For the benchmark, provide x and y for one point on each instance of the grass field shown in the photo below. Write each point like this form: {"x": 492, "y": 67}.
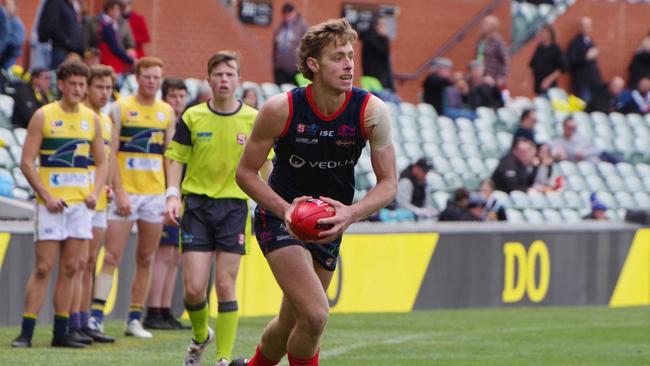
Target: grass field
{"x": 517, "y": 336}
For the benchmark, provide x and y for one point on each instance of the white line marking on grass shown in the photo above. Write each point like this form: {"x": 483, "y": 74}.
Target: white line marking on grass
{"x": 334, "y": 352}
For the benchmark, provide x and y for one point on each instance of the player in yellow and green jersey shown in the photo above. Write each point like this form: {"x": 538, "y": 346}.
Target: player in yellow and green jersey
{"x": 100, "y": 87}
{"x": 142, "y": 126}
{"x": 209, "y": 141}
{"x": 61, "y": 135}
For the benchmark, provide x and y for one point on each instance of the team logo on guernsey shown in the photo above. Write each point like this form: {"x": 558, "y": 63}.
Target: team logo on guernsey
{"x": 347, "y": 131}
{"x": 84, "y": 125}
{"x": 73, "y": 154}
{"x": 309, "y": 130}
{"x": 161, "y": 116}
{"x": 58, "y": 123}
{"x": 241, "y": 138}
{"x": 242, "y": 239}
{"x": 132, "y": 113}
{"x": 148, "y": 141}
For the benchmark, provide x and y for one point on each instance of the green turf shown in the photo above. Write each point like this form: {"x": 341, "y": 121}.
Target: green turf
{"x": 516, "y": 336}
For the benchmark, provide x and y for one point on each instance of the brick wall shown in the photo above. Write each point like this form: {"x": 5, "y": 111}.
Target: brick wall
{"x": 186, "y": 33}
{"x": 618, "y": 29}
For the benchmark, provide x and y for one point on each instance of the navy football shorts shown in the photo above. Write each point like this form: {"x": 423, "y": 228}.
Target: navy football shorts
{"x": 272, "y": 234}
{"x": 210, "y": 224}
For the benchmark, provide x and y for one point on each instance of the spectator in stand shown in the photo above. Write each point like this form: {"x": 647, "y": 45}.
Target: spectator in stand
{"x": 494, "y": 210}
{"x": 640, "y": 64}
{"x": 16, "y": 36}
{"x": 493, "y": 51}
{"x": 31, "y": 96}
{"x": 375, "y": 53}
{"x": 4, "y": 28}
{"x": 139, "y": 28}
{"x": 455, "y": 99}
{"x": 110, "y": 46}
{"x": 611, "y": 98}
{"x": 92, "y": 57}
{"x": 548, "y": 62}
{"x": 476, "y": 207}
{"x": 92, "y": 36}
{"x": 547, "y": 178}
{"x": 434, "y": 85}
{"x": 640, "y": 97}
{"x": 526, "y": 128}
{"x": 286, "y": 40}
{"x": 249, "y": 97}
{"x": 583, "y": 64}
{"x": 203, "y": 94}
{"x": 59, "y": 23}
{"x": 457, "y": 208}
{"x": 598, "y": 209}
{"x": 516, "y": 171}
{"x": 573, "y": 147}
{"x": 483, "y": 91}
{"x": 412, "y": 190}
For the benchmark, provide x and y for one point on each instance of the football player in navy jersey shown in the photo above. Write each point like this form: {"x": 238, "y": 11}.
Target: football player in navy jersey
{"x": 318, "y": 133}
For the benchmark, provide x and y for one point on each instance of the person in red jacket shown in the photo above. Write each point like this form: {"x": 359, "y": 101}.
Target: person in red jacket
{"x": 112, "y": 51}
{"x": 138, "y": 27}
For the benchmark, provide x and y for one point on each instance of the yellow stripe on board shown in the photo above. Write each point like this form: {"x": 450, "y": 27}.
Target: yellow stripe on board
{"x": 380, "y": 273}
{"x": 633, "y": 286}
{"x": 4, "y": 244}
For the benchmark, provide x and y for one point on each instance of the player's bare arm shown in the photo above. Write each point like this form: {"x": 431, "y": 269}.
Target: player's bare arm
{"x": 169, "y": 134}
{"x": 121, "y": 198}
{"x": 269, "y": 124}
{"x": 101, "y": 164}
{"x": 31, "y": 148}
{"x": 382, "y": 157}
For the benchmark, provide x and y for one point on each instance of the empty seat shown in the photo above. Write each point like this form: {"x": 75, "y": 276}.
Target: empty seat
{"x": 515, "y": 216}
{"x": 572, "y": 200}
{"x": 503, "y": 198}
{"x": 519, "y": 199}
{"x": 435, "y": 182}
{"x": 537, "y": 200}
{"x": 642, "y": 200}
{"x": 625, "y": 200}
{"x": 634, "y": 184}
{"x": 587, "y": 168}
{"x": 441, "y": 199}
{"x": 615, "y": 183}
{"x": 7, "y": 137}
{"x": 453, "y": 180}
{"x": 426, "y": 110}
{"x": 20, "y": 134}
{"x": 568, "y": 167}
{"x": 626, "y": 169}
{"x": 445, "y": 123}
{"x": 575, "y": 182}
{"x": 533, "y": 216}
{"x": 555, "y": 200}
{"x": 552, "y": 216}
{"x": 408, "y": 109}
{"x": 595, "y": 183}
{"x": 6, "y": 160}
{"x": 570, "y": 215}
{"x": 606, "y": 168}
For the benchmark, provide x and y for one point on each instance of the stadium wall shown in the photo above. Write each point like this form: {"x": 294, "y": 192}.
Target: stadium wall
{"x": 185, "y": 34}
{"x": 458, "y": 266}
{"x": 619, "y": 27}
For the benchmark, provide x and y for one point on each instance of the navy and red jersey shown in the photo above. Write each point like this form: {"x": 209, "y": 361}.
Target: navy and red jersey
{"x": 316, "y": 154}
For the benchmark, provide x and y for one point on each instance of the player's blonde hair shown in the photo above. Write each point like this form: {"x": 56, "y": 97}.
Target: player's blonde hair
{"x": 337, "y": 31}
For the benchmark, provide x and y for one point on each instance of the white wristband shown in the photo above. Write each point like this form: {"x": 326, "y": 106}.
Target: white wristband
{"x": 171, "y": 191}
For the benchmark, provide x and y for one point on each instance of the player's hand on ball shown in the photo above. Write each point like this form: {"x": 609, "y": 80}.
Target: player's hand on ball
{"x": 340, "y": 221}
{"x": 172, "y": 211}
{"x": 289, "y": 211}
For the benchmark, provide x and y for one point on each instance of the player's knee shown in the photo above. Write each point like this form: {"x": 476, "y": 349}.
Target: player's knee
{"x": 69, "y": 268}
{"x": 43, "y": 270}
{"x": 111, "y": 259}
{"x": 90, "y": 264}
{"x": 225, "y": 287}
{"x": 194, "y": 293}
{"x": 144, "y": 260}
{"x": 315, "y": 320}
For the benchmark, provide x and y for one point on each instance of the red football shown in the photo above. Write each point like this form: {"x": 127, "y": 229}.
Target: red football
{"x": 304, "y": 218}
